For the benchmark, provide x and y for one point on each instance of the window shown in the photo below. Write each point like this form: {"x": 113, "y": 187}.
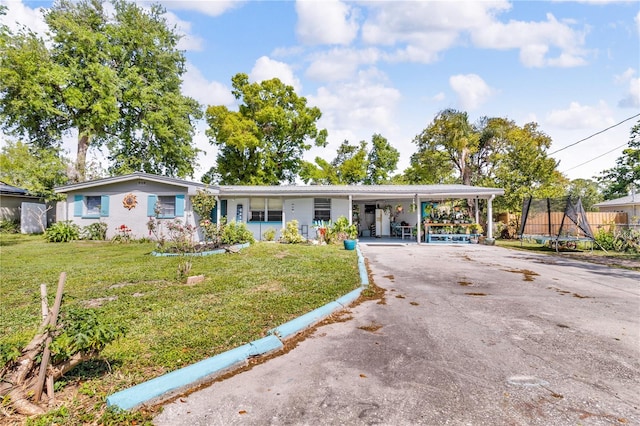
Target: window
{"x": 265, "y": 210}
{"x": 91, "y": 206}
{"x": 322, "y": 209}
{"x": 165, "y": 206}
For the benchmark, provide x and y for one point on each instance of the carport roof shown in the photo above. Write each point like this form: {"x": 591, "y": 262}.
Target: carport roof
{"x": 357, "y": 192}
{"x": 364, "y": 191}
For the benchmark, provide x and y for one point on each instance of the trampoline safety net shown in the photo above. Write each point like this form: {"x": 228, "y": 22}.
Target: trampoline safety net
{"x": 555, "y": 218}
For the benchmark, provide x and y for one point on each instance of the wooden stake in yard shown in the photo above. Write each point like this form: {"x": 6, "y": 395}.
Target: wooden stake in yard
{"x": 46, "y": 355}
{"x": 43, "y": 301}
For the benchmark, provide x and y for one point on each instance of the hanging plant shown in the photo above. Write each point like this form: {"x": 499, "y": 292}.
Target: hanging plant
{"x": 413, "y": 207}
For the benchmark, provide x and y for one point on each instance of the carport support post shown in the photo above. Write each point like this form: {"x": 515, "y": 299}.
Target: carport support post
{"x": 217, "y": 212}
{"x": 490, "y": 216}
{"x": 418, "y": 224}
{"x": 350, "y": 210}
{"x": 477, "y": 210}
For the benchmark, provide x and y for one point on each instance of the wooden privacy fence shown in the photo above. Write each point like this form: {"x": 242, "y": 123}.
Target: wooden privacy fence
{"x": 538, "y": 224}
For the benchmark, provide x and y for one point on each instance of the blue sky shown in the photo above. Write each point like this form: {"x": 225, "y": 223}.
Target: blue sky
{"x": 390, "y": 67}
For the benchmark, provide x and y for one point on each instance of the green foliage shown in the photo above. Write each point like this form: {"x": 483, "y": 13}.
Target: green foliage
{"x": 587, "y": 190}
{"x": 58, "y": 416}
{"x": 290, "y": 234}
{"x": 95, "y": 231}
{"x": 617, "y": 180}
{"x": 83, "y": 331}
{"x": 36, "y": 170}
{"x": 9, "y": 226}
{"x": 340, "y": 230}
{"x": 114, "y": 78}
{"x": 114, "y": 416}
{"x": 8, "y": 353}
{"x": 354, "y": 165}
{"x": 264, "y": 141}
{"x": 618, "y": 239}
{"x": 269, "y": 234}
{"x": 62, "y": 232}
{"x": 203, "y": 203}
{"x": 236, "y": 233}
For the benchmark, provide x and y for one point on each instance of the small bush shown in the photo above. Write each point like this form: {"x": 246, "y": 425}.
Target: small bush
{"x": 62, "y": 232}
{"x": 290, "y": 234}
{"x": 236, "y": 233}
{"x": 9, "y": 226}
{"x": 95, "y": 231}
{"x": 269, "y": 234}
{"x": 340, "y": 230}
{"x": 605, "y": 238}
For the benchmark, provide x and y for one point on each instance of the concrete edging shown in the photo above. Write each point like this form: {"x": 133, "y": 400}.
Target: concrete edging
{"x": 168, "y": 385}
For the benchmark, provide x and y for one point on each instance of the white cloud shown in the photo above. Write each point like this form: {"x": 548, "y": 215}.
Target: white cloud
{"x": 266, "y": 69}
{"x": 471, "y": 89}
{"x": 19, "y": 15}
{"x": 439, "y": 97}
{"x": 535, "y": 40}
{"x": 187, "y": 41}
{"x": 339, "y": 63}
{"x": 357, "y": 109}
{"x": 326, "y": 22}
{"x": 632, "y": 98}
{"x": 208, "y": 7}
{"x": 578, "y": 116}
{"x": 206, "y": 92}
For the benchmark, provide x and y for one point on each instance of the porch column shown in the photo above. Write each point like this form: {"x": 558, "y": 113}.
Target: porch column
{"x": 218, "y": 211}
{"x": 490, "y": 216}
{"x": 418, "y": 224}
{"x": 350, "y": 210}
{"x": 477, "y": 210}
{"x": 284, "y": 214}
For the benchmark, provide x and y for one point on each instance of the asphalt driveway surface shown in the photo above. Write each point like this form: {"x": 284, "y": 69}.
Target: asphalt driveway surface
{"x": 466, "y": 335}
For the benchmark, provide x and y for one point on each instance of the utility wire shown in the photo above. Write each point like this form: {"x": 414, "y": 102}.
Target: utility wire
{"x": 595, "y": 134}
{"x": 595, "y": 158}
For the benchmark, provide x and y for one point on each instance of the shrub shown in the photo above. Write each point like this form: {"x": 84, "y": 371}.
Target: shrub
{"x": 290, "y": 234}
{"x": 605, "y": 238}
{"x": 340, "y": 230}
{"x": 269, "y": 234}
{"x": 124, "y": 234}
{"x": 62, "y": 232}
{"x": 236, "y": 233}
{"x": 95, "y": 231}
{"x": 9, "y": 226}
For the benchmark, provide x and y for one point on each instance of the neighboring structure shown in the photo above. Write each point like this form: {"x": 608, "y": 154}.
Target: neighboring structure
{"x": 131, "y": 200}
{"x": 629, "y": 205}
{"x": 16, "y": 204}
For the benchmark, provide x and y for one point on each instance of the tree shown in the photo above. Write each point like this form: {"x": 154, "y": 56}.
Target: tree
{"x": 586, "y": 189}
{"x": 617, "y": 180}
{"x": 523, "y": 168}
{"x": 449, "y": 138}
{"x": 113, "y": 79}
{"x": 264, "y": 141}
{"x": 354, "y": 164}
{"x": 36, "y": 170}
{"x": 382, "y": 161}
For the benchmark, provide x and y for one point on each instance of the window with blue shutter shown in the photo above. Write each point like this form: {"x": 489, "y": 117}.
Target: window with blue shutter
{"x": 179, "y": 211}
{"x": 78, "y": 205}
{"x": 104, "y": 206}
{"x": 151, "y": 205}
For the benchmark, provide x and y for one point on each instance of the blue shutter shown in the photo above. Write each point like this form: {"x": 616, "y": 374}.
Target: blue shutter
{"x": 180, "y": 205}
{"x": 104, "y": 206}
{"x": 78, "y": 204}
{"x": 151, "y": 205}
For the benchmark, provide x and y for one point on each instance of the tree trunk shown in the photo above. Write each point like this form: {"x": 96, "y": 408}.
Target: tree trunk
{"x": 81, "y": 159}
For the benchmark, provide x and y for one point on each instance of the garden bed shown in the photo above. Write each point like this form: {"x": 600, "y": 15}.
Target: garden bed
{"x": 202, "y": 250}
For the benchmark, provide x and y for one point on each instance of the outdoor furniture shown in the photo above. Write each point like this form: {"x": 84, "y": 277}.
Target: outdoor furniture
{"x": 406, "y": 231}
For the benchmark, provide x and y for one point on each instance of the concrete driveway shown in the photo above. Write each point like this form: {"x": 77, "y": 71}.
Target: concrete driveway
{"x": 468, "y": 334}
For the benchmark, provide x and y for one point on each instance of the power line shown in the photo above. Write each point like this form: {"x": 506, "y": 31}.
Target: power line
{"x": 595, "y": 134}
{"x": 595, "y": 158}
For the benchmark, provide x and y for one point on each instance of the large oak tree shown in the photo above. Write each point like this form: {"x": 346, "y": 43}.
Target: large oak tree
{"x": 115, "y": 80}
{"x": 264, "y": 141}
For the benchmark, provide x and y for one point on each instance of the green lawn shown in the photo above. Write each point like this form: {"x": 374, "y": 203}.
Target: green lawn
{"x": 170, "y": 324}
{"x": 610, "y": 258}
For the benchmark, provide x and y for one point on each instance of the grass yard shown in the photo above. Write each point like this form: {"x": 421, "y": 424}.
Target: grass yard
{"x": 169, "y": 324}
{"x": 614, "y": 259}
